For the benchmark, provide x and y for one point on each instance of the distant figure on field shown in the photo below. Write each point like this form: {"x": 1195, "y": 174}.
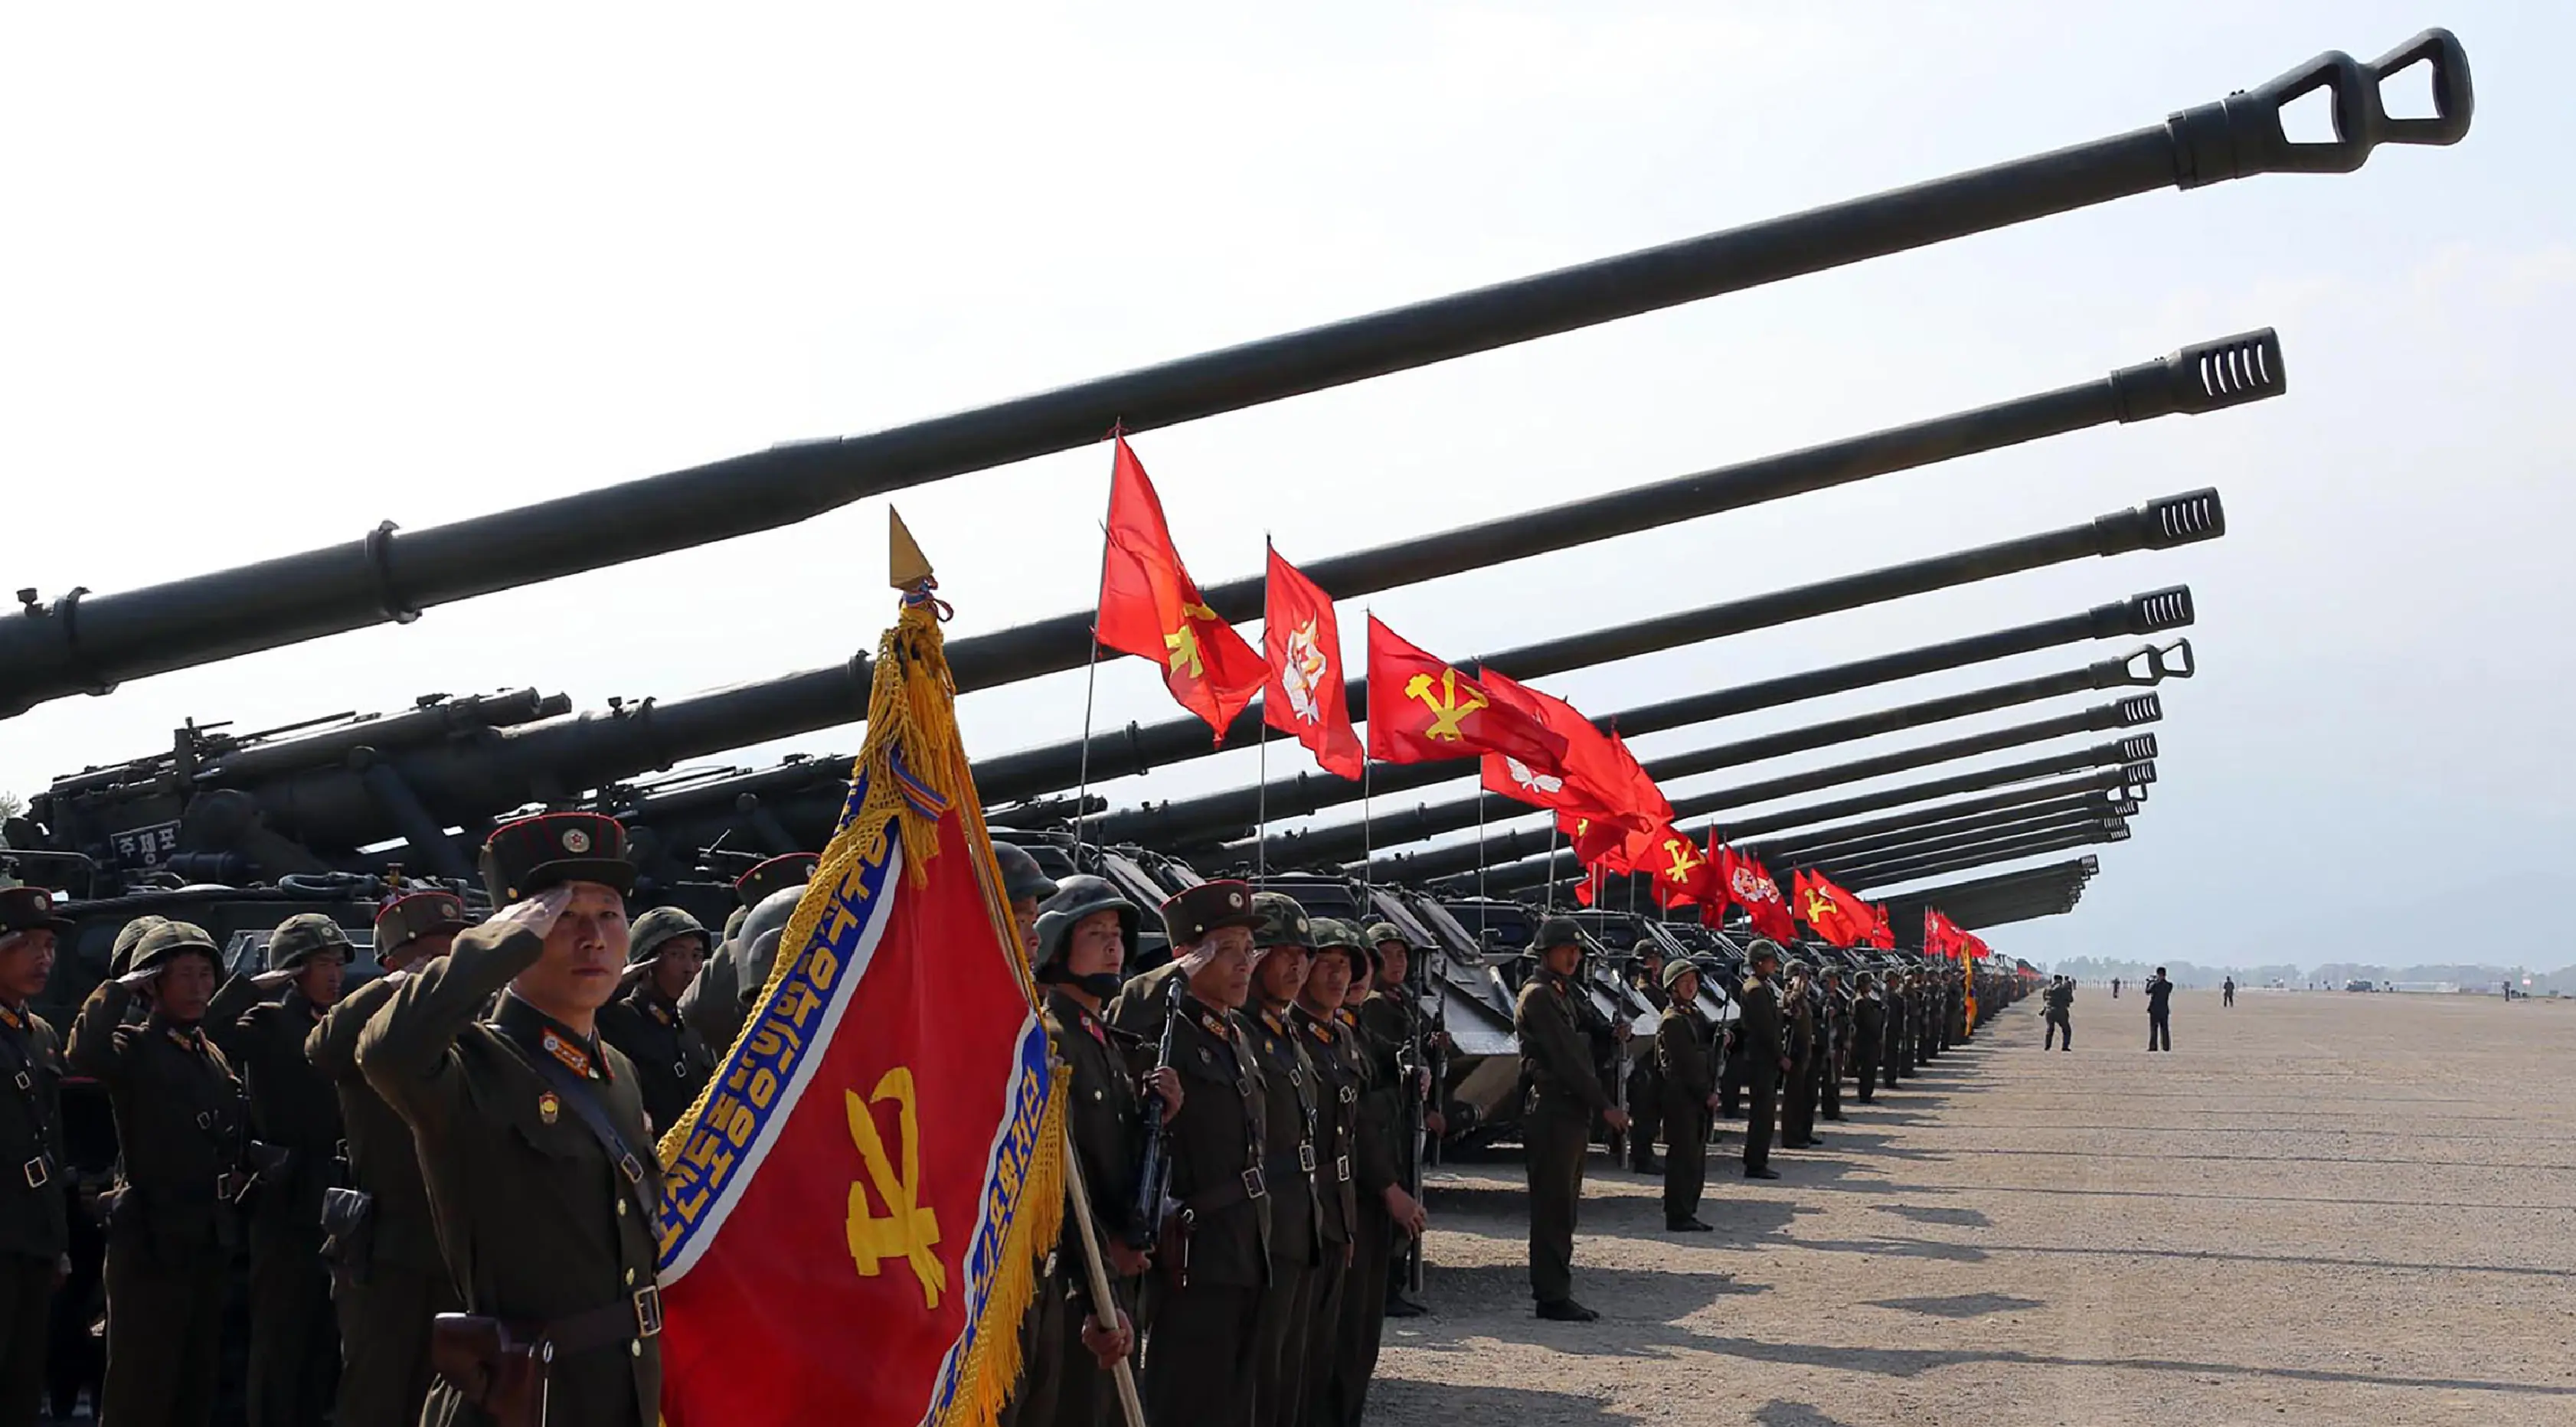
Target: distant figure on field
{"x": 2159, "y": 1012}
{"x": 2059, "y": 1013}
{"x": 2115, "y": 988}
{"x": 2227, "y": 992}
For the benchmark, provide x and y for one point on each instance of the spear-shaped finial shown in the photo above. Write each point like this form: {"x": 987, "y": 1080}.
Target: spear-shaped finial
{"x": 907, "y": 568}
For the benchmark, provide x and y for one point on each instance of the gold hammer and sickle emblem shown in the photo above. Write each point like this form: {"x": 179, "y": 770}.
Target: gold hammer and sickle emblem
{"x": 1183, "y": 643}
{"x": 1446, "y": 709}
{"x": 1679, "y": 850}
{"x": 906, "y": 1229}
{"x": 1817, "y": 905}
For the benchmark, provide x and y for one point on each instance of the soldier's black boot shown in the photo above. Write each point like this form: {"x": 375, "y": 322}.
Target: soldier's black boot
{"x": 1566, "y": 1310}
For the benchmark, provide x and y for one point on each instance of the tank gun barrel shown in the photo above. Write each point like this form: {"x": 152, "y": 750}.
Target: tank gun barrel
{"x": 88, "y": 645}
{"x": 1345, "y": 840}
{"x": 1983, "y": 856}
{"x": 2015, "y": 801}
{"x": 2184, "y": 519}
{"x": 1897, "y": 869}
{"x": 1828, "y": 854}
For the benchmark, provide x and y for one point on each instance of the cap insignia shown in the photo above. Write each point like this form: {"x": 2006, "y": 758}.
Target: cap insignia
{"x": 548, "y": 1107}
{"x": 576, "y": 841}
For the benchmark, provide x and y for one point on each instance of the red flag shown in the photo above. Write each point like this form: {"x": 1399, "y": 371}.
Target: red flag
{"x": 1592, "y": 780}
{"x": 1684, "y": 876}
{"x": 1304, "y": 697}
{"x": 1750, "y": 887}
{"x": 1613, "y": 844}
{"x": 1422, "y": 709}
{"x": 1836, "y": 915}
{"x": 1149, "y": 607}
{"x": 1881, "y": 934}
{"x": 883, "y": 1144}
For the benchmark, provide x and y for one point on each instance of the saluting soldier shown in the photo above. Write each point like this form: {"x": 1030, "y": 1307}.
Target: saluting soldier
{"x": 1085, "y": 933}
{"x": 1869, "y": 1033}
{"x": 1565, "y": 1093}
{"x": 179, "y": 1126}
{"x": 1281, "y": 946}
{"x": 666, "y": 947}
{"x": 35, "y": 1231}
{"x": 1394, "y": 1018}
{"x": 388, "y": 1280}
{"x": 1215, "y": 1257}
{"x": 542, "y": 1175}
{"x": 295, "y": 1118}
{"x": 1762, "y": 1046}
{"x": 1690, "y": 1097}
{"x": 1336, "y": 1360}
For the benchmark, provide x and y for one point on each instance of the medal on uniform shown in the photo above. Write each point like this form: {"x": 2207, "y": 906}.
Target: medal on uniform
{"x": 548, "y": 1106}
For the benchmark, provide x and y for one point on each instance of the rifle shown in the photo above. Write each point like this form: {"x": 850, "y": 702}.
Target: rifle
{"x": 1154, "y": 1174}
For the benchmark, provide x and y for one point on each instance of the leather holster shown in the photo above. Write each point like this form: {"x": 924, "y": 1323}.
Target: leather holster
{"x": 492, "y": 1365}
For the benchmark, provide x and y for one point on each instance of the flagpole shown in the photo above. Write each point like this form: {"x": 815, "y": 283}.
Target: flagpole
{"x": 1551, "y": 863}
{"x": 1480, "y": 830}
{"x": 1261, "y": 799}
{"x": 1130, "y": 1405}
{"x": 1091, "y": 670}
{"x": 1368, "y": 834}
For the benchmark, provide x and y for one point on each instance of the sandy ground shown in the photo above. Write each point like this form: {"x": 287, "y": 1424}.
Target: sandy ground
{"x": 2321, "y": 1208}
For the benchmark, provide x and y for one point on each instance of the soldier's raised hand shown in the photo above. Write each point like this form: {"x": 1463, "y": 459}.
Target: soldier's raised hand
{"x": 140, "y": 980}
{"x": 538, "y": 913}
{"x": 271, "y": 980}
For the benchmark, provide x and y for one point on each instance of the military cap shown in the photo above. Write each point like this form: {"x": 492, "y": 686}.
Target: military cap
{"x": 171, "y": 939}
{"x": 304, "y": 936}
{"x": 29, "y": 909}
{"x": 407, "y": 919}
{"x": 1385, "y": 932}
{"x": 1283, "y": 922}
{"x": 1677, "y": 968}
{"x": 532, "y": 855}
{"x": 1865, "y": 979}
{"x": 120, "y": 959}
{"x": 1799, "y": 968}
{"x": 645, "y": 938}
{"x": 1021, "y": 875}
{"x": 1076, "y": 898}
{"x": 791, "y": 870}
{"x": 1554, "y": 932}
{"x": 1762, "y": 949}
{"x": 1190, "y": 916}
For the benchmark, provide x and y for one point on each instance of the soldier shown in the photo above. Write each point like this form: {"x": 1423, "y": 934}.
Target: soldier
{"x": 1798, "y": 1034}
{"x": 1690, "y": 1097}
{"x": 2159, "y": 1012}
{"x": 295, "y": 1122}
{"x": 1833, "y": 1010}
{"x": 718, "y": 1002}
{"x": 542, "y": 1178}
{"x": 666, "y": 948}
{"x": 1281, "y": 947}
{"x": 1024, "y": 885}
{"x": 1764, "y": 1047}
{"x": 1085, "y": 933}
{"x": 1397, "y": 1023}
{"x": 1868, "y": 1032}
{"x": 2227, "y": 991}
{"x": 388, "y": 1280}
{"x": 1645, "y": 1113}
{"x": 2058, "y": 1012}
{"x": 171, "y": 1234}
{"x": 1200, "y": 1360}
{"x": 1341, "y": 1349}
{"x": 1565, "y": 1093}
{"x": 35, "y": 1230}
{"x": 1891, "y": 1065}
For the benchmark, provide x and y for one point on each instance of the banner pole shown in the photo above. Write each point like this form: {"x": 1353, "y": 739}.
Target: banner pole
{"x": 1551, "y": 864}
{"x": 1131, "y": 1406}
{"x": 1261, "y": 799}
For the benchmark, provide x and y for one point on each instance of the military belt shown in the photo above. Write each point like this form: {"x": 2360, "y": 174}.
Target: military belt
{"x": 627, "y": 1319}
{"x": 1247, "y": 1186}
{"x": 39, "y": 1171}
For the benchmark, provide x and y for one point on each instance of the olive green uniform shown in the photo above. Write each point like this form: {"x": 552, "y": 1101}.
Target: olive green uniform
{"x": 1565, "y": 1093}
{"x": 1761, "y": 1044}
{"x": 672, "y": 1061}
{"x": 1296, "y": 1245}
{"x": 1689, "y": 1077}
{"x": 294, "y": 1346}
{"x": 1645, "y": 1085}
{"x": 1798, "y": 1095}
{"x": 1105, "y": 1117}
{"x": 172, "y": 1232}
{"x": 34, "y": 1226}
{"x": 1379, "y": 1162}
{"x": 539, "y": 1225}
{"x": 1341, "y": 1082}
{"x": 389, "y": 1279}
{"x": 1200, "y": 1361}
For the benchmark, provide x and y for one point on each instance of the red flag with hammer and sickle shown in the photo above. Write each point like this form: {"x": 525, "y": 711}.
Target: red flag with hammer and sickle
{"x": 1421, "y": 709}
{"x": 1149, "y": 606}
{"x": 1305, "y": 697}
{"x": 1684, "y": 875}
{"x": 1834, "y": 914}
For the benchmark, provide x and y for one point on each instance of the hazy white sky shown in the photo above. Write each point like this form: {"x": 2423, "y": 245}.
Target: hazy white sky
{"x": 278, "y": 274}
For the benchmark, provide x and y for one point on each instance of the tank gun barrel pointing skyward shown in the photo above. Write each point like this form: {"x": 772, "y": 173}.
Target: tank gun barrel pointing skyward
{"x": 88, "y": 644}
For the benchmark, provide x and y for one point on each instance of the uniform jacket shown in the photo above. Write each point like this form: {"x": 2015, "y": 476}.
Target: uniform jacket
{"x": 1218, "y": 1136}
{"x": 381, "y": 1157}
{"x": 672, "y": 1061}
{"x": 292, "y": 1104}
{"x": 1798, "y": 1026}
{"x": 2159, "y": 996}
{"x": 1869, "y": 1024}
{"x": 1759, "y": 1031}
{"x": 179, "y": 1123}
{"x": 1554, "y": 1050}
{"x": 1681, "y": 1055}
{"x": 33, "y": 1176}
{"x": 535, "y": 1220}
{"x": 1290, "y": 1120}
{"x": 1105, "y": 1114}
{"x": 1383, "y": 1156}
{"x": 1341, "y": 1082}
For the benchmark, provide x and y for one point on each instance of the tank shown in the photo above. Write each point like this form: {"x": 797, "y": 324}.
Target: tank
{"x": 2185, "y": 519}
{"x": 84, "y": 643}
